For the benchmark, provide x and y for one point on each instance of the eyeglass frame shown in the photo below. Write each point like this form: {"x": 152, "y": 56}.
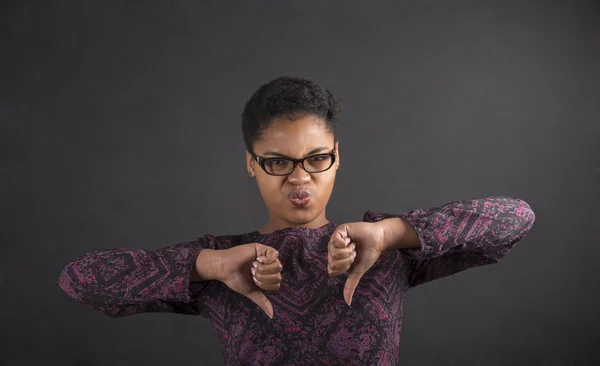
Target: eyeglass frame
{"x": 261, "y": 162}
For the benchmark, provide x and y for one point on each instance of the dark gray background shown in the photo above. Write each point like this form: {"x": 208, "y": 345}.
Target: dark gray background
{"x": 121, "y": 128}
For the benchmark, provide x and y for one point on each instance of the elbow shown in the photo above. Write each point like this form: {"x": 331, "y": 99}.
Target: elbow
{"x": 66, "y": 283}
{"x": 515, "y": 216}
{"x": 523, "y": 217}
{"x": 77, "y": 290}
{"x": 76, "y": 287}
{"x": 511, "y": 227}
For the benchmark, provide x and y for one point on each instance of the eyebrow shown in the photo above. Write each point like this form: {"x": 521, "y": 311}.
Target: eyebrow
{"x": 312, "y": 152}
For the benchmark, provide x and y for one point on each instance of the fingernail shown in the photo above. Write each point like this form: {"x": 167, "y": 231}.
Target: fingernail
{"x": 254, "y": 278}
{"x": 253, "y": 270}
{"x": 254, "y": 264}
{"x": 260, "y": 259}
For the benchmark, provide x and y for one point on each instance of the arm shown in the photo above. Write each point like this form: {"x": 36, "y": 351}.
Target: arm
{"x": 122, "y": 282}
{"x": 459, "y": 235}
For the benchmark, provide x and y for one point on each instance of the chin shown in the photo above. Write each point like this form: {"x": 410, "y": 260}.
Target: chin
{"x": 301, "y": 217}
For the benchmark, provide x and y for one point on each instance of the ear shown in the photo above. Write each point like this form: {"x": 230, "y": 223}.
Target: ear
{"x": 337, "y": 155}
{"x": 249, "y": 164}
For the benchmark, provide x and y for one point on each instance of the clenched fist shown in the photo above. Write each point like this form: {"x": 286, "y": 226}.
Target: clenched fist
{"x": 248, "y": 269}
{"x": 354, "y": 248}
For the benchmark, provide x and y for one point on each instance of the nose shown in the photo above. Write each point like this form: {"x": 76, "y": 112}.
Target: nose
{"x": 299, "y": 175}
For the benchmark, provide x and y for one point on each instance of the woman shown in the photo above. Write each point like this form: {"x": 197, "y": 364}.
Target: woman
{"x": 329, "y": 294}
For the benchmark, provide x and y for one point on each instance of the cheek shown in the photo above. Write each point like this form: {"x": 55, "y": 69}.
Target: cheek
{"x": 325, "y": 183}
{"x": 269, "y": 188}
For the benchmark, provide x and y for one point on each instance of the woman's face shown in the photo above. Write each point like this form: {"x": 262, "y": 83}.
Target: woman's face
{"x": 298, "y": 199}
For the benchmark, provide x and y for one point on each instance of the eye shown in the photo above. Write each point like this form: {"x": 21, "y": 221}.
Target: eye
{"x": 277, "y": 162}
{"x": 317, "y": 158}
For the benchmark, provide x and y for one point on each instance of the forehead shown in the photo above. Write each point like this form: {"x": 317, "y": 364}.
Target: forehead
{"x": 295, "y": 138}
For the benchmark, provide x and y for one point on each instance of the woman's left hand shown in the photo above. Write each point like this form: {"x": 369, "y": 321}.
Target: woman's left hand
{"x": 354, "y": 248}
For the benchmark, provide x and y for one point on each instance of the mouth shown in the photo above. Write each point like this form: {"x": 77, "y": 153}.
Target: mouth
{"x": 299, "y": 198}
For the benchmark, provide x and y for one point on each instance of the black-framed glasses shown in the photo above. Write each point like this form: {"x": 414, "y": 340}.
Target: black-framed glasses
{"x": 285, "y": 166}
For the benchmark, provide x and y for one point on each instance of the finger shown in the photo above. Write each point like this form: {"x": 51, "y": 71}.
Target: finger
{"x": 340, "y": 238}
{"x": 270, "y": 276}
{"x": 340, "y": 266}
{"x": 271, "y": 279}
{"x": 340, "y": 241}
{"x": 350, "y": 286}
{"x": 266, "y": 286}
{"x": 334, "y": 273}
{"x": 269, "y": 257}
{"x": 261, "y": 300}
{"x": 339, "y": 253}
{"x": 266, "y": 269}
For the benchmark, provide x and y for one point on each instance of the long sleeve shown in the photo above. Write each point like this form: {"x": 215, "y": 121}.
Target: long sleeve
{"x": 462, "y": 234}
{"x": 122, "y": 282}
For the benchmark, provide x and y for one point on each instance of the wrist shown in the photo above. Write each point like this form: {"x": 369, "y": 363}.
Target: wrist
{"x": 208, "y": 266}
{"x": 390, "y": 231}
{"x": 398, "y": 234}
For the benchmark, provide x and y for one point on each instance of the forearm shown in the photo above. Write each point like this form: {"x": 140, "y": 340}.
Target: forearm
{"x": 208, "y": 267}
{"x": 121, "y": 281}
{"x": 441, "y": 241}
{"x": 489, "y": 226}
{"x": 398, "y": 234}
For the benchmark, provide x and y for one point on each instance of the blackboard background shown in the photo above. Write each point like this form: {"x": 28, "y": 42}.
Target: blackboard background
{"x": 120, "y": 127}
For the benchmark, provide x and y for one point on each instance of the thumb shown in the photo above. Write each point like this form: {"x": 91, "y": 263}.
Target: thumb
{"x": 261, "y": 300}
{"x": 351, "y": 284}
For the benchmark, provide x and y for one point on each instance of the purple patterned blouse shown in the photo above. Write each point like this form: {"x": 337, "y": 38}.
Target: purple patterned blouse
{"x": 312, "y": 324}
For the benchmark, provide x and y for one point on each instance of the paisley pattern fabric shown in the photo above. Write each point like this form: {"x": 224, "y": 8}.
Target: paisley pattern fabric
{"x": 312, "y": 324}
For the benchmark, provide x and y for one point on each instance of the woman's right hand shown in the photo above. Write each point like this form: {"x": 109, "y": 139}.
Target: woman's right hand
{"x": 250, "y": 268}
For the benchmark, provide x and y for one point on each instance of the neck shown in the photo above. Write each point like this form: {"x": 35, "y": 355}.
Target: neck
{"x": 276, "y": 223}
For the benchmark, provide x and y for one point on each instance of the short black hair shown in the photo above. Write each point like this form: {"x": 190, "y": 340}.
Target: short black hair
{"x": 289, "y": 97}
